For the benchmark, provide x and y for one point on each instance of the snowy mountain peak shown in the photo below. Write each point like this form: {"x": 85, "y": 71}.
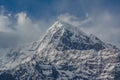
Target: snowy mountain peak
{"x": 64, "y": 53}
{"x": 64, "y": 36}
{"x": 60, "y": 25}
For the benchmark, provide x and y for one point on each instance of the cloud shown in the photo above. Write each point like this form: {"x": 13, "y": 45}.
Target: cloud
{"x": 71, "y": 19}
{"x": 22, "y": 19}
{"x": 68, "y": 19}
{"x": 18, "y": 29}
{"x": 103, "y": 25}
{"x": 25, "y": 27}
{"x": 4, "y": 23}
{"x": 8, "y": 39}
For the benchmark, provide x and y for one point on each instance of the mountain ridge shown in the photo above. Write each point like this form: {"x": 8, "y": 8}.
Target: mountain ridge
{"x": 64, "y": 53}
{"x": 61, "y": 31}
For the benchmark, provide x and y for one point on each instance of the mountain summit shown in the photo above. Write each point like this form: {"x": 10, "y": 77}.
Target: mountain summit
{"x": 64, "y": 53}
{"x": 64, "y": 36}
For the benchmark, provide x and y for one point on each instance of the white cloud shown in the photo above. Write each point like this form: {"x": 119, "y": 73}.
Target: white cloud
{"x": 22, "y": 19}
{"x": 23, "y": 27}
{"x": 71, "y": 19}
{"x": 29, "y": 30}
{"x": 103, "y": 25}
{"x": 4, "y": 23}
{"x": 106, "y": 27}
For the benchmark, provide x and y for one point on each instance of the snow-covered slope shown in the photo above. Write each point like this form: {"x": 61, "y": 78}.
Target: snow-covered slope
{"x": 66, "y": 37}
{"x": 11, "y": 57}
{"x": 64, "y": 53}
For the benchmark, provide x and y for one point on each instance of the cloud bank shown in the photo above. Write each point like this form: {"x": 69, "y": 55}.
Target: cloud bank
{"x": 18, "y": 29}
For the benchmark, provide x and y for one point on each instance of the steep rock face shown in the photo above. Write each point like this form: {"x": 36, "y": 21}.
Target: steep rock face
{"x": 66, "y": 37}
{"x": 70, "y": 65}
{"x": 64, "y": 53}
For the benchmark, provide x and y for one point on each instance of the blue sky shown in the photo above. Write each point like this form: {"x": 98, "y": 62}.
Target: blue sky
{"x": 52, "y": 8}
{"x": 23, "y": 21}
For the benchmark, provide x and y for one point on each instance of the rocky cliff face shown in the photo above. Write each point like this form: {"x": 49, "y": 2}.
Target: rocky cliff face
{"x": 64, "y": 53}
